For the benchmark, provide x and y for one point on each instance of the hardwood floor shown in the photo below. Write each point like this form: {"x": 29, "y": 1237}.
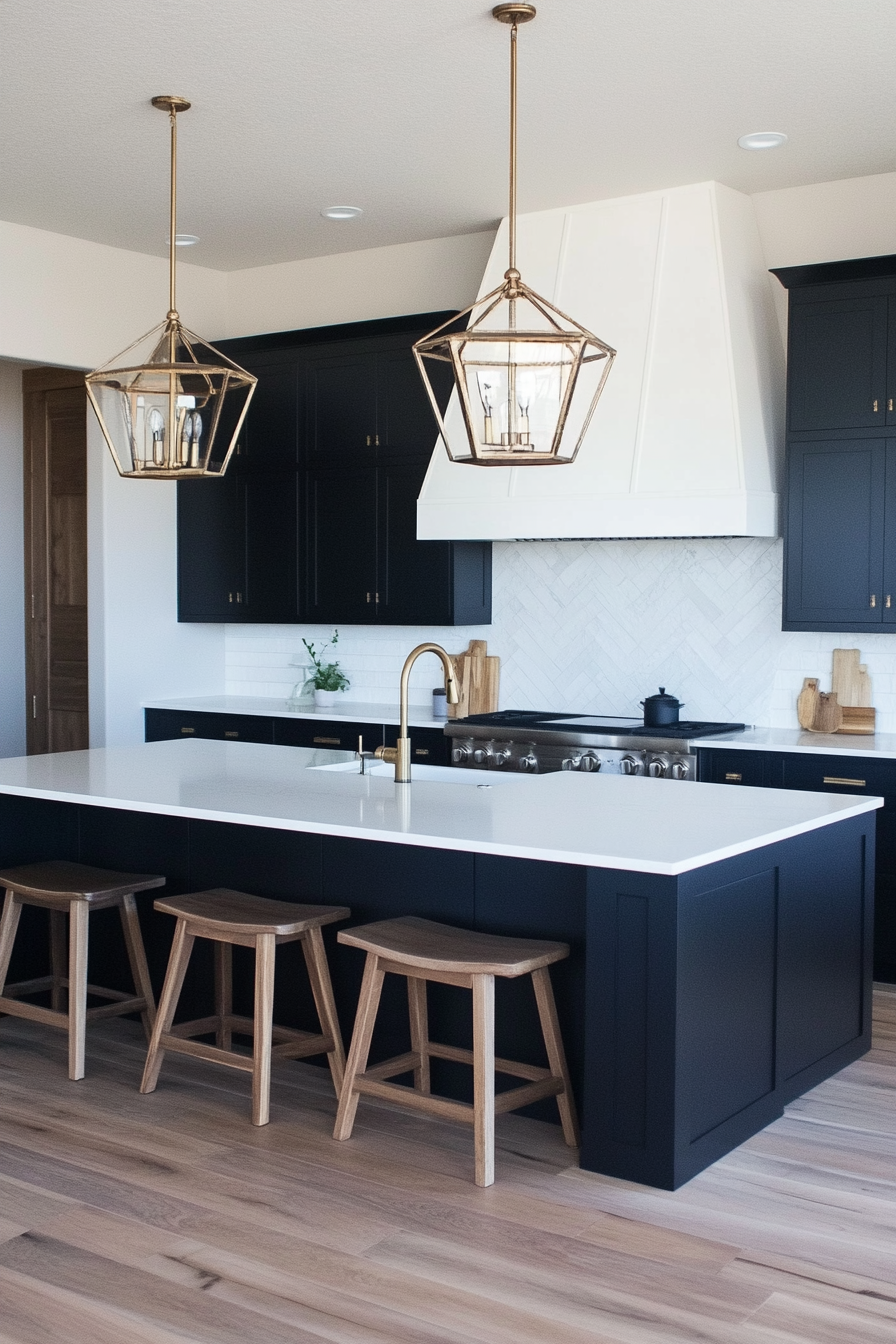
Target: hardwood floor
{"x": 169, "y": 1218}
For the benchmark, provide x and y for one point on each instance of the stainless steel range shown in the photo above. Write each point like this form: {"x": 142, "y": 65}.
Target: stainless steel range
{"x": 526, "y": 740}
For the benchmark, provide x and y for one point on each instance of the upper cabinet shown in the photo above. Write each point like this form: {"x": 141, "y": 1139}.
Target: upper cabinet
{"x": 840, "y": 561}
{"x": 316, "y": 517}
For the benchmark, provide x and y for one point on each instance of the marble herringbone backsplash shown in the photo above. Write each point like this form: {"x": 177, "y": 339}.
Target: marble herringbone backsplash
{"x": 596, "y": 626}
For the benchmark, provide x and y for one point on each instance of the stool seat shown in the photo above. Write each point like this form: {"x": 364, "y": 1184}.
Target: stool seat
{"x": 227, "y": 917}
{"x": 56, "y": 883}
{"x": 428, "y": 946}
{"x": 421, "y": 950}
{"x": 239, "y": 913}
{"x": 72, "y": 891}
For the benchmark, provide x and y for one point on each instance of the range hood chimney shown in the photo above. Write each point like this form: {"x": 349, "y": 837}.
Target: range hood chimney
{"x": 683, "y": 441}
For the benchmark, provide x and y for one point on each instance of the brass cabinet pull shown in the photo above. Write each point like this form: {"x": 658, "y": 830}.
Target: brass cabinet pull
{"x": 835, "y": 779}
{"x": 239, "y": 597}
{"x": 230, "y": 597}
{"x": 735, "y": 778}
{"x": 376, "y": 439}
{"x": 888, "y": 604}
{"x": 368, "y": 440}
{"x": 188, "y": 730}
{"x": 369, "y": 597}
{"x": 329, "y": 741}
{"x": 890, "y": 404}
{"x": 231, "y": 733}
{"x": 873, "y": 600}
{"x": 875, "y": 405}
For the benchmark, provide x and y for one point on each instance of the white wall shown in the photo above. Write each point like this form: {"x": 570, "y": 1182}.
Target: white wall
{"x": 12, "y": 600}
{"x": 356, "y": 286}
{"x": 137, "y": 648}
{"x": 74, "y": 303}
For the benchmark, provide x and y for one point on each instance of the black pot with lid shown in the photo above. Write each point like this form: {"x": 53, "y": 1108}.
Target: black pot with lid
{"x": 661, "y": 710}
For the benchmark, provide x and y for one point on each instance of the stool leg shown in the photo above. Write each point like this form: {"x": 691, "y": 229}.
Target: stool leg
{"x": 419, "y": 1031}
{"x": 174, "y": 979}
{"x": 78, "y": 914}
{"x": 484, "y": 1078}
{"x": 133, "y": 940}
{"x": 322, "y": 989}
{"x": 265, "y": 948}
{"x": 9, "y": 923}
{"x": 223, "y": 994}
{"x": 550, "y": 1027}
{"x": 57, "y": 958}
{"x": 368, "y": 1002}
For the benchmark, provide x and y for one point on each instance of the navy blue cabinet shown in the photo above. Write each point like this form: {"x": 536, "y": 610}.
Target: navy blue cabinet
{"x": 828, "y": 774}
{"x": 316, "y": 519}
{"x": 840, "y": 516}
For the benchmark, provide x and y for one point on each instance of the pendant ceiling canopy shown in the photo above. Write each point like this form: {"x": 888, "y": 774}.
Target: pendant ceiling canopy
{"x": 528, "y": 377}
{"x": 171, "y": 405}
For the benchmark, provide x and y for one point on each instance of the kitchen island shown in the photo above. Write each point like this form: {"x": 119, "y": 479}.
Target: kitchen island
{"x": 720, "y": 938}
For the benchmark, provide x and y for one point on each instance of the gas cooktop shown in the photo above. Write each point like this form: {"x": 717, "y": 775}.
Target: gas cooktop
{"x": 608, "y": 725}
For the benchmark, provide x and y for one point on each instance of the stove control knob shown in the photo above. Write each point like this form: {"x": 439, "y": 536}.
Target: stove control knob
{"x": 459, "y": 755}
{"x": 630, "y": 765}
{"x": 589, "y": 762}
{"x": 657, "y": 768}
{"x": 680, "y": 770}
{"x": 482, "y": 755}
{"x": 501, "y": 757}
{"x": 528, "y": 763}
{"x": 571, "y": 763}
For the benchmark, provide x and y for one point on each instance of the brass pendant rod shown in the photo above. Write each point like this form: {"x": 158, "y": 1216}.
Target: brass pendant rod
{"x": 172, "y": 237}
{"x": 513, "y": 48}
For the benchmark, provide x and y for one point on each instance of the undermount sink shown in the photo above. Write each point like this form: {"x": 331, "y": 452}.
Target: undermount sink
{"x": 431, "y": 774}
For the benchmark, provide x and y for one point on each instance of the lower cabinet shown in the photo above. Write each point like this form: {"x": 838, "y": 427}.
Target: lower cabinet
{"x": 429, "y": 746}
{"x": 828, "y": 774}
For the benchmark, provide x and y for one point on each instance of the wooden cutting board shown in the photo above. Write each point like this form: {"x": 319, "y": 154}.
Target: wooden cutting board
{"x": 478, "y": 677}
{"x": 851, "y": 684}
{"x": 807, "y": 703}
{"x": 829, "y": 715}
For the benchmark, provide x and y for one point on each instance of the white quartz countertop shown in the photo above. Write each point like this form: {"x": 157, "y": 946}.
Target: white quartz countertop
{"x": 639, "y": 824}
{"x": 357, "y": 711}
{"x": 881, "y": 745}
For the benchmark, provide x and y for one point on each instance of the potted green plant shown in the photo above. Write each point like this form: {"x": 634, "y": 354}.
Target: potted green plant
{"x": 327, "y": 679}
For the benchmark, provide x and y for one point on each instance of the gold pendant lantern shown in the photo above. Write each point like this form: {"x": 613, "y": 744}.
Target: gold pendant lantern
{"x": 528, "y": 377}
{"x": 171, "y": 405}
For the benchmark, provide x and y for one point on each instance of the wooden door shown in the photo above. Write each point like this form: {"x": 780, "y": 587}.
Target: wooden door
{"x": 834, "y": 558}
{"x": 55, "y": 460}
{"x": 837, "y": 365}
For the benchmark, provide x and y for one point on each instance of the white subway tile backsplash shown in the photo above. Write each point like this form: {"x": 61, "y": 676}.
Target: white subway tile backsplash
{"x": 597, "y": 625}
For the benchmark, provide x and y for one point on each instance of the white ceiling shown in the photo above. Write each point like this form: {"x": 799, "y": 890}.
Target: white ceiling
{"x": 400, "y": 106}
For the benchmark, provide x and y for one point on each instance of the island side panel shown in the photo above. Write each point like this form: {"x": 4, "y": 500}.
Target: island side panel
{"x": 717, "y": 997}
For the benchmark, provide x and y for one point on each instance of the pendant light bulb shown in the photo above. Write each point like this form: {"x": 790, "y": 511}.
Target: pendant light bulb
{"x": 527, "y": 377}
{"x": 170, "y": 406}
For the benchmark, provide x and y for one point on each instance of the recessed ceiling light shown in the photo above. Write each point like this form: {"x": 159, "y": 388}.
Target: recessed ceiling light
{"x": 763, "y": 140}
{"x": 182, "y": 240}
{"x": 342, "y": 212}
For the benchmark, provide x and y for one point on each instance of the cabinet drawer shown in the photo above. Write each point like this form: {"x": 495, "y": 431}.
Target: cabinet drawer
{"x": 841, "y": 774}
{"x": 429, "y": 746}
{"x": 164, "y": 724}
{"x": 734, "y": 767}
{"x": 335, "y": 734}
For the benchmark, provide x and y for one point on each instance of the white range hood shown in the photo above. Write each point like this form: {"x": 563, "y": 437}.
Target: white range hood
{"x": 684, "y": 439}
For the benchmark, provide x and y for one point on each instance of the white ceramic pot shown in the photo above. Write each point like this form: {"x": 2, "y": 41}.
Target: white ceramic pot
{"x": 325, "y": 699}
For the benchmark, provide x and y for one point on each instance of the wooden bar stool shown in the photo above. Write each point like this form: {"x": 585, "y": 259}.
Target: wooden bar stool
{"x": 74, "y": 889}
{"x": 228, "y": 918}
{"x": 422, "y": 950}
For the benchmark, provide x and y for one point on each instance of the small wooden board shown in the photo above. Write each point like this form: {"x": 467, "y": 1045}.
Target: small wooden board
{"x": 478, "y": 677}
